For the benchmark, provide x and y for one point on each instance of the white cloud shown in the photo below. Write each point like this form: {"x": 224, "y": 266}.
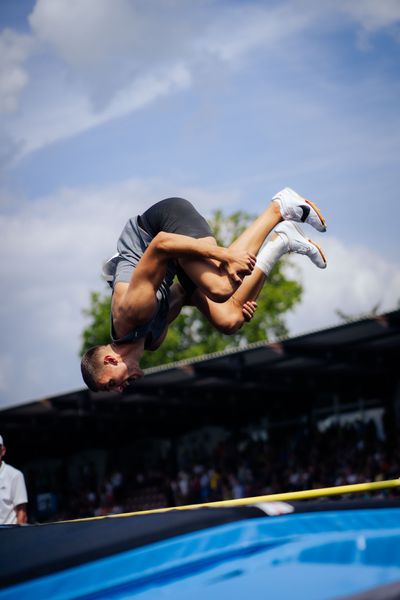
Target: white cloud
{"x": 355, "y": 281}
{"x": 373, "y": 15}
{"x": 100, "y": 34}
{"x": 87, "y": 33}
{"x": 106, "y": 59}
{"x": 14, "y": 51}
{"x": 108, "y": 45}
{"x": 239, "y": 30}
{"x": 70, "y": 112}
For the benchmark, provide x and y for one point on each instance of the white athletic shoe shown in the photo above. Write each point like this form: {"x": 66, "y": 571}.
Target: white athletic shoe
{"x": 296, "y": 242}
{"x": 294, "y": 207}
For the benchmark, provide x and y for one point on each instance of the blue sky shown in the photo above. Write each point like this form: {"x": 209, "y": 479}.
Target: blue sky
{"x": 107, "y": 106}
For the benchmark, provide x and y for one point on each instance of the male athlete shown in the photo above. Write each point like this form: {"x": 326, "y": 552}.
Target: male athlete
{"x": 172, "y": 238}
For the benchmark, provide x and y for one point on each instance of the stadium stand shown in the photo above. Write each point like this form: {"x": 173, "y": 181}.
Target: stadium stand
{"x": 312, "y": 411}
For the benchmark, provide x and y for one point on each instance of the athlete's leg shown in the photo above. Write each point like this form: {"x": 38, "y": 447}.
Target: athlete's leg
{"x": 228, "y": 317}
{"x": 179, "y": 216}
{"x": 286, "y": 205}
{"x": 207, "y": 275}
{"x": 254, "y": 235}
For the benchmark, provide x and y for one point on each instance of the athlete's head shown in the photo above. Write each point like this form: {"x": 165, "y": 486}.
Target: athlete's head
{"x": 105, "y": 369}
{"x": 92, "y": 366}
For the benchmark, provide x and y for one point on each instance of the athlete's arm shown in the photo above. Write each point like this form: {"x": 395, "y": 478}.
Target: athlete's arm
{"x": 138, "y": 303}
{"x": 173, "y": 245}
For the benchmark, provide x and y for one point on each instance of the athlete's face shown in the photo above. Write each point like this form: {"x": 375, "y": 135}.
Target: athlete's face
{"x": 116, "y": 377}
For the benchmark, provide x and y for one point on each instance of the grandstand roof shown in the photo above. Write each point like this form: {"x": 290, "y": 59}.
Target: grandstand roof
{"x": 355, "y": 360}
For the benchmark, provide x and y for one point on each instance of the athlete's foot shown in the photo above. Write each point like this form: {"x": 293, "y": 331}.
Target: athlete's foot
{"x": 294, "y": 207}
{"x": 297, "y": 242}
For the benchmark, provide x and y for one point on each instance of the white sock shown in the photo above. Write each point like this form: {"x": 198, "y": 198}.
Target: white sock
{"x": 270, "y": 253}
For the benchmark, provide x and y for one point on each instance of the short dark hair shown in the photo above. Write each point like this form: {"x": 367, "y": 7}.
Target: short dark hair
{"x": 91, "y": 367}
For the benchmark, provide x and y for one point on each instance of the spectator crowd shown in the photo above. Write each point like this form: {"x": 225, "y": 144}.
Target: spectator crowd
{"x": 242, "y": 466}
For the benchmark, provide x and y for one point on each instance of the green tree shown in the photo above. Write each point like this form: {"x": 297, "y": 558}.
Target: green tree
{"x": 191, "y": 334}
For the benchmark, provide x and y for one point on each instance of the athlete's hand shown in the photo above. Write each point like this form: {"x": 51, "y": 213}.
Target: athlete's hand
{"x": 238, "y": 264}
{"x": 249, "y": 308}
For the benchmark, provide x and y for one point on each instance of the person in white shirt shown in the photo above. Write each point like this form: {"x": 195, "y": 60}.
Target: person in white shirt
{"x": 13, "y": 496}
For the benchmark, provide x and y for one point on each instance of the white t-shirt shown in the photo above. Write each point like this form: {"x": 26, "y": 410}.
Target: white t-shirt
{"x": 12, "y": 493}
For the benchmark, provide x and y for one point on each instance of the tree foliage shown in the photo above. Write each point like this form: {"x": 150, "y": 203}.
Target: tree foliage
{"x": 191, "y": 334}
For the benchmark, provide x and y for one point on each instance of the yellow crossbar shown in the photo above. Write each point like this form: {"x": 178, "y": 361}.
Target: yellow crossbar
{"x": 287, "y": 496}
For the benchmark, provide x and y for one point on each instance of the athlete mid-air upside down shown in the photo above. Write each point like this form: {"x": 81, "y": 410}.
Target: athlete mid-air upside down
{"x": 172, "y": 238}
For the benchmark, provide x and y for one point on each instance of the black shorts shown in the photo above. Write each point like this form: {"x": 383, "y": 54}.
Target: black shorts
{"x": 176, "y": 215}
